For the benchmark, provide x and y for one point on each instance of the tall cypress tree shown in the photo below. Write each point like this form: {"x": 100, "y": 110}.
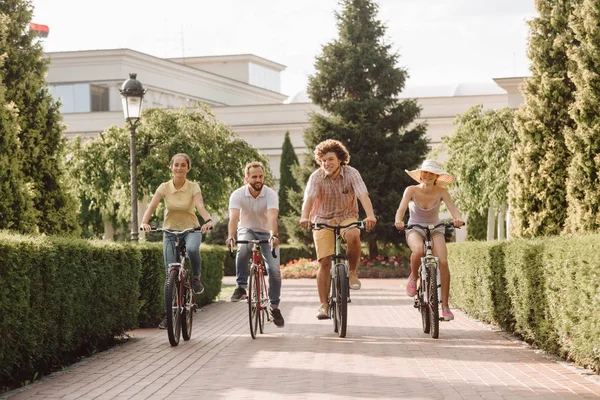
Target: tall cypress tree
{"x": 286, "y": 179}
{"x": 41, "y": 132}
{"x": 537, "y": 186}
{"x": 16, "y": 208}
{"x": 357, "y": 83}
{"x": 583, "y": 185}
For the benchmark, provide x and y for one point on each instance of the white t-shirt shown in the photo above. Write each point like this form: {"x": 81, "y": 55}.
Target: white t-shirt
{"x": 253, "y": 211}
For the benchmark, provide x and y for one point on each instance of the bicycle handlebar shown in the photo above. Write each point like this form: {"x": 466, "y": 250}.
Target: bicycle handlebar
{"x": 320, "y": 225}
{"x": 432, "y": 227}
{"x": 253, "y": 241}
{"x": 159, "y": 229}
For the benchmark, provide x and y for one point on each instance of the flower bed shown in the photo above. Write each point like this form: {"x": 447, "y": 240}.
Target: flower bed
{"x": 379, "y": 267}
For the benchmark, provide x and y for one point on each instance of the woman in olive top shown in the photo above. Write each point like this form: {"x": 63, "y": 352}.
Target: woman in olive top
{"x": 181, "y": 197}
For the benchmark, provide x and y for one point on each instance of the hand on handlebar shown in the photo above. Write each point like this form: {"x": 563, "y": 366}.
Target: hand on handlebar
{"x": 274, "y": 240}
{"x": 458, "y": 223}
{"x": 399, "y": 225}
{"x": 370, "y": 222}
{"x": 206, "y": 227}
{"x": 230, "y": 243}
{"x": 145, "y": 227}
{"x": 305, "y": 223}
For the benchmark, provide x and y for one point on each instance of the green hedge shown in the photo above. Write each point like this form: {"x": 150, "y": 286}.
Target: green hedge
{"x": 64, "y": 298}
{"x": 545, "y": 290}
{"x": 287, "y": 253}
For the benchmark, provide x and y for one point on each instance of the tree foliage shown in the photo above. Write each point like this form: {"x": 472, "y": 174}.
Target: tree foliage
{"x": 583, "y": 141}
{"x": 40, "y": 128}
{"x": 102, "y": 171}
{"x": 286, "y": 178}
{"x": 16, "y": 207}
{"x": 537, "y": 189}
{"x": 357, "y": 83}
{"x": 479, "y": 152}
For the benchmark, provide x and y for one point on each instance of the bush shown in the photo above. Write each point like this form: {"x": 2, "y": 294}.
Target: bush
{"x": 380, "y": 267}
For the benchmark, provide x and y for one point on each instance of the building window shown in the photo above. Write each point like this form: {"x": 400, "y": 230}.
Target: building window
{"x": 99, "y": 98}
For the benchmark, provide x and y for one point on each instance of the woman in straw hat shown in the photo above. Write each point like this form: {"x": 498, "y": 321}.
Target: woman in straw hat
{"x": 423, "y": 201}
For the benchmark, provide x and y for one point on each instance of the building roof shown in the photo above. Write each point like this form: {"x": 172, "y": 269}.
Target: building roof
{"x": 416, "y": 92}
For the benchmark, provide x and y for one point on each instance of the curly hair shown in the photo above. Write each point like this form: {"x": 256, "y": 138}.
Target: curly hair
{"x": 332, "y": 146}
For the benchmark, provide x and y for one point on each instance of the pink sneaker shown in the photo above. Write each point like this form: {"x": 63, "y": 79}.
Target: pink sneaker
{"x": 411, "y": 288}
{"x": 447, "y": 314}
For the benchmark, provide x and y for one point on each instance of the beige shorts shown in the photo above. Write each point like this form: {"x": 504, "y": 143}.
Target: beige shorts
{"x": 325, "y": 239}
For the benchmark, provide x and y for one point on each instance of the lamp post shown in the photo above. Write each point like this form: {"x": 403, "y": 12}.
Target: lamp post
{"x": 132, "y": 95}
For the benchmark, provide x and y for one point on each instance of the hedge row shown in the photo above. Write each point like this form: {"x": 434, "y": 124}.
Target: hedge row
{"x": 545, "y": 290}
{"x": 63, "y": 298}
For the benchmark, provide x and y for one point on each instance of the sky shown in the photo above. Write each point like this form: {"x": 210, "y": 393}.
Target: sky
{"x": 439, "y": 42}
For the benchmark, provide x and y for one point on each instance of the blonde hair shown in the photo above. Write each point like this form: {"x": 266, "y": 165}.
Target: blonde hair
{"x": 187, "y": 158}
{"x": 253, "y": 164}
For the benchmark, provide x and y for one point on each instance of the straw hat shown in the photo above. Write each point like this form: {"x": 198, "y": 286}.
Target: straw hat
{"x": 444, "y": 178}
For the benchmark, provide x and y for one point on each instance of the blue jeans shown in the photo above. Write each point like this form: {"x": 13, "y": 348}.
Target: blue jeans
{"x": 192, "y": 244}
{"x": 242, "y": 260}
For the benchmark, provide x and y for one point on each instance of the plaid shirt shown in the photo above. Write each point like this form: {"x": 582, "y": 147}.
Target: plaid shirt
{"x": 335, "y": 199}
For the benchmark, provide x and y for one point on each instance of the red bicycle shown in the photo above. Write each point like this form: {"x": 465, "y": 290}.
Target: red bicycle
{"x": 258, "y": 289}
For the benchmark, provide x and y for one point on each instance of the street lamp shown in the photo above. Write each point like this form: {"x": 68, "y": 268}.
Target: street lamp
{"x": 132, "y": 95}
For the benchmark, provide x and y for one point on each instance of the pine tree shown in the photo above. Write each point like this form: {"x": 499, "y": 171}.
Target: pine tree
{"x": 16, "y": 208}
{"x": 537, "y": 188}
{"x": 286, "y": 179}
{"x": 41, "y": 132}
{"x": 583, "y": 185}
{"x": 357, "y": 83}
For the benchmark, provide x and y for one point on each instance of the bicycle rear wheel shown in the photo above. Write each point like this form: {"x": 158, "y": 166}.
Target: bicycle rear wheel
{"x": 423, "y": 308}
{"x": 172, "y": 307}
{"x": 434, "y": 309}
{"x": 187, "y": 312}
{"x": 253, "y": 298}
{"x": 341, "y": 299}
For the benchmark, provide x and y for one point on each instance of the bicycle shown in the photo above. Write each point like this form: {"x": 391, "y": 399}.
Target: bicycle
{"x": 258, "y": 289}
{"x": 428, "y": 300}
{"x": 180, "y": 299}
{"x": 339, "y": 294}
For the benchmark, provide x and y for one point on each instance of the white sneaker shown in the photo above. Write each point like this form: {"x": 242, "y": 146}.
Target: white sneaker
{"x": 354, "y": 281}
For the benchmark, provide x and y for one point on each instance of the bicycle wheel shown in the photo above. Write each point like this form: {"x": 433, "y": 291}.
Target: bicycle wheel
{"x": 264, "y": 303}
{"x": 423, "y": 308}
{"x": 187, "y": 312}
{"x": 434, "y": 309}
{"x": 332, "y": 300}
{"x": 341, "y": 302}
{"x": 172, "y": 306}
{"x": 253, "y": 296}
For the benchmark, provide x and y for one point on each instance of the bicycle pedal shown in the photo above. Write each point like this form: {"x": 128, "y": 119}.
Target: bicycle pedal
{"x": 349, "y": 300}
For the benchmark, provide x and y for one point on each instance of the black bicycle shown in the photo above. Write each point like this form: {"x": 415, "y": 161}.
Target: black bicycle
{"x": 339, "y": 294}
{"x": 180, "y": 298}
{"x": 429, "y": 286}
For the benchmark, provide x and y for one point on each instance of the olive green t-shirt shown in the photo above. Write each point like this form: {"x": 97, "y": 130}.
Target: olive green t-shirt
{"x": 179, "y": 205}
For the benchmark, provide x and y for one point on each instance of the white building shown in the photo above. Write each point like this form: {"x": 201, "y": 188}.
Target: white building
{"x": 242, "y": 90}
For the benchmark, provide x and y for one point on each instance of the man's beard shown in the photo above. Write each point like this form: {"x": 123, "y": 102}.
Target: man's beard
{"x": 257, "y": 186}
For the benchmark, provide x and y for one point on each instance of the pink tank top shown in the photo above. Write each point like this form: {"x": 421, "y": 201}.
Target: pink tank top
{"x": 422, "y": 216}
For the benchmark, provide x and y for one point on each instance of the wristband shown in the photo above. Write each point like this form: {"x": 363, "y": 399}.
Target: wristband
{"x": 208, "y": 220}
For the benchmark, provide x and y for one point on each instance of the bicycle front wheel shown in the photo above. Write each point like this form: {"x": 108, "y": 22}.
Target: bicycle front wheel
{"x": 341, "y": 299}
{"x": 173, "y": 309}
{"x": 253, "y": 298}
{"x": 423, "y": 307}
{"x": 434, "y": 309}
{"x": 187, "y": 312}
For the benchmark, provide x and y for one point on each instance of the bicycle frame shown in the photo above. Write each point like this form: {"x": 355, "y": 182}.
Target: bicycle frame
{"x": 258, "y": 290}
{"x": 339, "y": 292}
{"x": 429, "y": 288}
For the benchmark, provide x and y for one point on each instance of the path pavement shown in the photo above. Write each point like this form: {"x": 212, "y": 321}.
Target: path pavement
{"x": 385, "y": 355}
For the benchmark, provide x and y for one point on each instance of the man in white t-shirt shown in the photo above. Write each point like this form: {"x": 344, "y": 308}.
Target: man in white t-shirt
{"x": 253, "y": 211}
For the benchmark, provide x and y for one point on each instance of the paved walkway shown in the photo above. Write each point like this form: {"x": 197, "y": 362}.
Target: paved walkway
{"x": 385, "y": 355}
